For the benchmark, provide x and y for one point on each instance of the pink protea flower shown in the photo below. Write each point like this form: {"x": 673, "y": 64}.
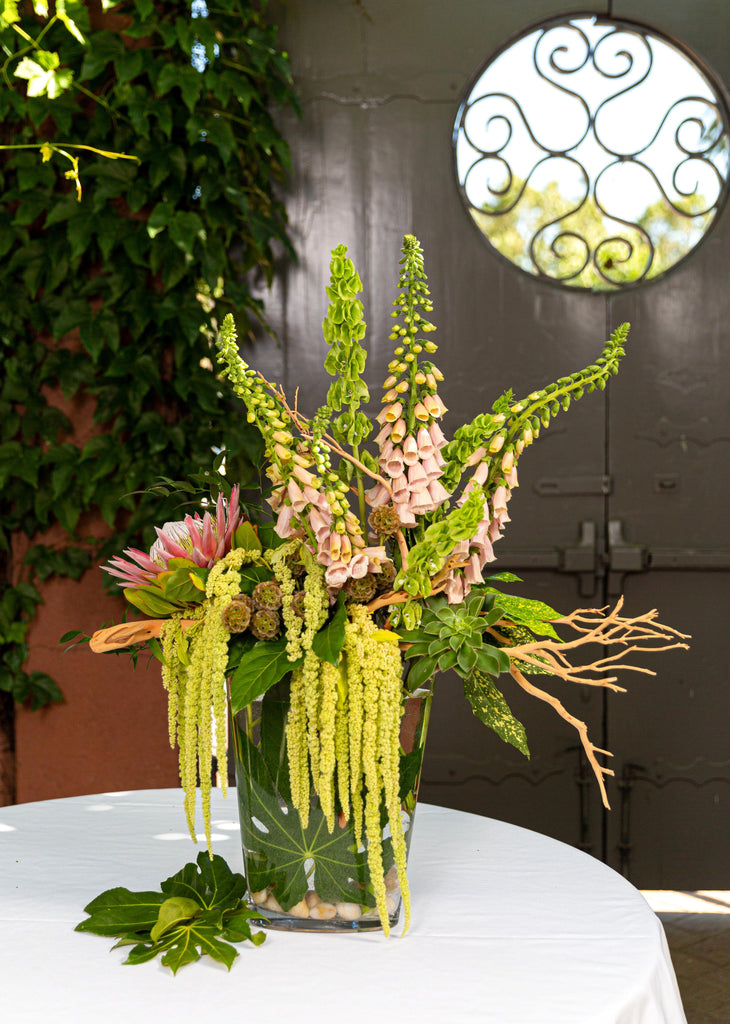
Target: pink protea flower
{"x": 203, "y": 541}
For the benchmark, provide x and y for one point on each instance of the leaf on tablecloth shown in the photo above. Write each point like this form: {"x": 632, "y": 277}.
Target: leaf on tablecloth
{"x": 200, "y": 910}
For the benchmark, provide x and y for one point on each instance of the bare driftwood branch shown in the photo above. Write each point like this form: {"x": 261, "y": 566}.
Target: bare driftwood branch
{"x": 640, "y": 633}
{"x": 581, "y": 728}
{"x": 129, "y": 633}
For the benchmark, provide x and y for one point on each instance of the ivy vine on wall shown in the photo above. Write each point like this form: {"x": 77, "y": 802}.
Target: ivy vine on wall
{"x": 112, "y": 300}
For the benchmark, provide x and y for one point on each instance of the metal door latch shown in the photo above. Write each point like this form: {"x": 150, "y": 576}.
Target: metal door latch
{"x": 582, "y": 559}
{"x": 623, "y": 557}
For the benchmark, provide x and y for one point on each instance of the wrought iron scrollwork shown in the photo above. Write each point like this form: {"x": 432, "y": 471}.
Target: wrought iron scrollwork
{"x": 553, "y": 171}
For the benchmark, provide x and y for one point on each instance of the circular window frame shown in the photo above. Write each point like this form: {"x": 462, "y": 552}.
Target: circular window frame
{"x": 642, "y": 29}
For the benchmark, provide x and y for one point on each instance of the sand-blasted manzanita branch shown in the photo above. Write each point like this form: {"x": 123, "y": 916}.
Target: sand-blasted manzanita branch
{"x": 581, "y": 727}
{"x": 640, "y": 633}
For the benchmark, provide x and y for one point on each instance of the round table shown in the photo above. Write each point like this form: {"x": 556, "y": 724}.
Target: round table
{"x": 509, "y": 927}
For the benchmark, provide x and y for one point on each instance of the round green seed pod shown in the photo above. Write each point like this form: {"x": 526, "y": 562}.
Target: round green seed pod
{"x": 265, "y": 624}
{"x": 236, "y": 617}
{"x": 384, "y": 520}
{"x": 267, "y": 595}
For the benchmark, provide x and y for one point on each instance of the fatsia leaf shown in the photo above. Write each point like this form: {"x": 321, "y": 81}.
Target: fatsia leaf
{"x": 185, "y": 943}
{"x": 260, "y": 669}
{"x": 198, "y": 908}
{"x": 490, "y": 707}
{"x": 238, "y": 928}
{"x": 280, "y": 852}
{"x": 173, "y": 911}
{"x": 274, "y": 715}
{"x": 118, "y": 911}
{"x": 211, "y": 884}
{"x": 251, "y": 575}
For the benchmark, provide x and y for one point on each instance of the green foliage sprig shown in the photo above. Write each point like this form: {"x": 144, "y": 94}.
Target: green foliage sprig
{"x": 113, "y": 301}
{"x": 201, "y": 909}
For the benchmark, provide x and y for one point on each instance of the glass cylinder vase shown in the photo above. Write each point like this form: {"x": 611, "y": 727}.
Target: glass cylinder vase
{"x": 311, "y": 879}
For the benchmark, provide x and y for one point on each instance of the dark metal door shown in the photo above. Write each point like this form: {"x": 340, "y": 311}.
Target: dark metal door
{"x": 627, "y": 491}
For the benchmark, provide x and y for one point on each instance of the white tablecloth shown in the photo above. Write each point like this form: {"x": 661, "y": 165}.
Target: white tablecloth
{"x": 509, "y": 927}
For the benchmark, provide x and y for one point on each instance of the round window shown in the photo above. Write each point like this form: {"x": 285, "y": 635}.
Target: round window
{"x": 592, "y": 153}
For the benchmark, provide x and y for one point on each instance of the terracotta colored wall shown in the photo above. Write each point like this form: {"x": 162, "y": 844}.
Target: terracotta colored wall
{"x": 111, "y": 733}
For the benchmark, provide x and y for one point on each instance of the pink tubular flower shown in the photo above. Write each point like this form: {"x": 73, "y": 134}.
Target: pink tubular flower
{"x": 410, "y": 450}
{"x": 203, "y": 541}
{"x": 436, "y": 434}
{"x": 337, "y": 574}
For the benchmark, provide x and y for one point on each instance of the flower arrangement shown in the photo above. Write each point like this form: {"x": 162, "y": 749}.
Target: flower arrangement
{"x": 368, "y": 580}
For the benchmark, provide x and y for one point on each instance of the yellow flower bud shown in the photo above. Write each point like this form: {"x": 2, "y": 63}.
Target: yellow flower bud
{"x": 283, "y": 454}
{"x": 398, "y": 432}
{"x": 402, "y": 387}
{"x": 497, "y": 444}
{"x": 389, "y": 382}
